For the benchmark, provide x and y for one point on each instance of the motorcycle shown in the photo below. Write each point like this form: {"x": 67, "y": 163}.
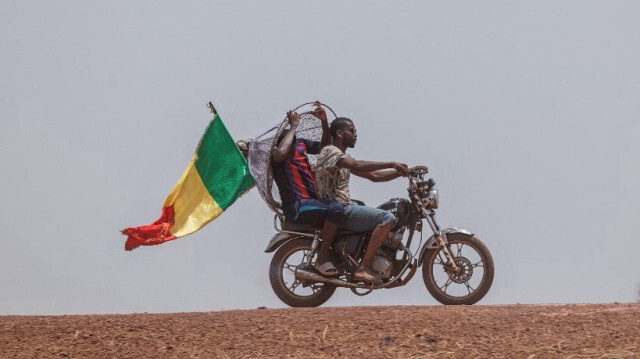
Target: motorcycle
{"x": 457, "y": 267}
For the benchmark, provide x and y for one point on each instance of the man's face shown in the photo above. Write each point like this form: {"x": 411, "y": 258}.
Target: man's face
{"x": 349, "y": 135}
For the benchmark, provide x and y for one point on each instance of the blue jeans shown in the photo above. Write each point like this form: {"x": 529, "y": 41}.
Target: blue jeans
{"x": 314, "y": 211}
{"x": 365, "y": 219}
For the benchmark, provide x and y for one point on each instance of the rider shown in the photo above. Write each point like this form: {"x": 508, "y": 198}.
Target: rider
{"x": 332, "y": 179}
{"x": 294, "y": 178}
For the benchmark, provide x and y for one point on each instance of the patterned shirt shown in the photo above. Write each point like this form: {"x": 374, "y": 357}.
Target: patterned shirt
{"x": 293, "y": 176}
{"x": 332, "y": 181}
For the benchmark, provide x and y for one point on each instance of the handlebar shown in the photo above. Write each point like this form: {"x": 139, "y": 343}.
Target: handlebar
{"x": 417, "y": 175}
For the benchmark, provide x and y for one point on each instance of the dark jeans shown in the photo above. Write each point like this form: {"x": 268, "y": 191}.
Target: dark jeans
{"x": 314, "y": 211}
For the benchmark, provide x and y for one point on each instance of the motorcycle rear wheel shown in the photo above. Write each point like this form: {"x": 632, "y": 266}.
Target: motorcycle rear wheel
{"x": 281, "y": 275}
{"x": 466, "y": 287}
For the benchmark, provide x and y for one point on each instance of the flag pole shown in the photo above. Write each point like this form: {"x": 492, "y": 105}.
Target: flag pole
{"x": 213, "y": 109}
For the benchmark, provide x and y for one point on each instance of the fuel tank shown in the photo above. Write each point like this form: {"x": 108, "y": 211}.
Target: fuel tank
{"x": 400, "y": 208}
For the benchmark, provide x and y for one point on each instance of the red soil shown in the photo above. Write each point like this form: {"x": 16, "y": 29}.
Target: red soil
{"x": 514, "y": 331}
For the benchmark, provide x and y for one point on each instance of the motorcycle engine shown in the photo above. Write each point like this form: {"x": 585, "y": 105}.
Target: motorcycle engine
{"x": 394, "y": 240}
{"x": 382, "y": 266}
{"x": 384, "y": 261}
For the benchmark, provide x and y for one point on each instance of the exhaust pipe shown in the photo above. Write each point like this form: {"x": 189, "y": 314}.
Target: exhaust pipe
{"x": 304, "y": 275}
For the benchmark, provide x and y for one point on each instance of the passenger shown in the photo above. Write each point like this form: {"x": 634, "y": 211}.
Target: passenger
{"x": 294, "y": 178}
{"x": 333, "y": 170}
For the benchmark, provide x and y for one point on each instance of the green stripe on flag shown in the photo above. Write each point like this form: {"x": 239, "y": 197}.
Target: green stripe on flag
{"x": 221, "y": 165}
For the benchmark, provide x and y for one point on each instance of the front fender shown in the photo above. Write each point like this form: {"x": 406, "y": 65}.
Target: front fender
{"x": 431, "y": 243}
{"x": 277, "y": 240}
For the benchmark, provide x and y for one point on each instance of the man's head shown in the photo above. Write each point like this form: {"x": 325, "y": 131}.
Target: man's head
{"x": 343, "y": 130}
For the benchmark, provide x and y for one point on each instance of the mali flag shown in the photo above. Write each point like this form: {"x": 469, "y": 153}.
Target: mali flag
{"x": 217, "y": 175}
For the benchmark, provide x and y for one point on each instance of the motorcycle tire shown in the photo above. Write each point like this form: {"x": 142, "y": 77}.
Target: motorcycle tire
{"x": 475, "y": 261}
{"x": 285, "y": 260}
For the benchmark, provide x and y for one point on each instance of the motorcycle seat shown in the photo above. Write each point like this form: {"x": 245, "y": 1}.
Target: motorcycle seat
{"x": 310, "y": 228}
{"x": 297, "y": 227}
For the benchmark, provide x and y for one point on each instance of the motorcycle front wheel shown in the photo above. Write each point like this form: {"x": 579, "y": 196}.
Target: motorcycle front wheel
{"x": 291, "y": 291}
{"x": 466, "y": 286}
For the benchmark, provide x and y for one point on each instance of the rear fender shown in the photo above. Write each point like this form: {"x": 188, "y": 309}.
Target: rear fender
{"x": 279, "y": 239}
{"x": 432, "y": 243}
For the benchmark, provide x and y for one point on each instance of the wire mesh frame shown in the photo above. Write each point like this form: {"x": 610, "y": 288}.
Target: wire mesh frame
{"x": 262, "y": 147}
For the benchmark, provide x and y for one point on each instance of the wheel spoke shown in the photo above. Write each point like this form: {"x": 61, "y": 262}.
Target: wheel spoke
{"x": 479, "y": 264}
{"x": 469, "y": 287}
{"x": 459, "y": 249}
{"x": 446, "y": 285}
{"x": 290, "y": 267}
{"x": 440, "y": 260}
{"x": 294, "y": 285}
{"x": 305, "y": 256}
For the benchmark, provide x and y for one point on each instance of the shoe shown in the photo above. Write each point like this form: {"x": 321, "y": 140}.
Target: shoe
{"x": 327, "y": 269}
{"x": 366, "y": 276}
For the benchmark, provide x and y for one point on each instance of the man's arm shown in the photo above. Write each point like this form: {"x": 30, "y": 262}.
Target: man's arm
{"x": 283, "y": 149}
{"x": 379, "y": 176}
{"x": 363, "y": 167}
{"x": 320, "y": 113}
{"x": 386, "y": 175}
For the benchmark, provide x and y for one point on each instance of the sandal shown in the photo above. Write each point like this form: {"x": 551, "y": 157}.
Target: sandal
{"x": 327, "y": 269}
{"x": 366, "y": 276}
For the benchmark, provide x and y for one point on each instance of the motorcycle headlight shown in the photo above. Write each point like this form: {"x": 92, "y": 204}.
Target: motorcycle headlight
{"x": 431, "y": 199}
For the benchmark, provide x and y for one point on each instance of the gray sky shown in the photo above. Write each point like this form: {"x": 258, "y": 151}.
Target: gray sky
{"x": 526, "y": 113}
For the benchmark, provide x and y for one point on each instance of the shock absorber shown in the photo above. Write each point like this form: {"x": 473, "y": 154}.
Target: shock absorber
{"x": 314, "y": 246}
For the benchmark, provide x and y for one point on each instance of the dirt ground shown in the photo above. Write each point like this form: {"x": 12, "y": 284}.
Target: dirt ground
{"x": 510, "y": 331}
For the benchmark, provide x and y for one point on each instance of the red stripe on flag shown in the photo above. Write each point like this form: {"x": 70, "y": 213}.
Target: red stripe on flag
{"x": 155, "y": 233}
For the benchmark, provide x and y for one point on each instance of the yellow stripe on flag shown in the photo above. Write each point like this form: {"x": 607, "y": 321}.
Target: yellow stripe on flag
{"x": 193, "y": 205}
